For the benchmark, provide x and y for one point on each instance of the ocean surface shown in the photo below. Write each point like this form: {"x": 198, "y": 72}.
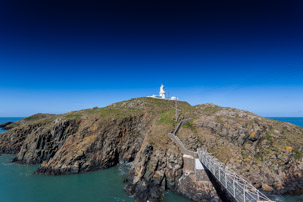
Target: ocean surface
{"x": 294, "y": 120}
{"x": 18, "y": 184}
{"x": 10, "y": 119}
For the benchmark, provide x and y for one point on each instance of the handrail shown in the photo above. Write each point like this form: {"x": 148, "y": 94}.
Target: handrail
{"x": 237, "y": 186}
{"x": 185, "y": 150}
{"x": 179, "y": 125}
{"x": 240, "y": 189}
{"x": 179, "y": 142}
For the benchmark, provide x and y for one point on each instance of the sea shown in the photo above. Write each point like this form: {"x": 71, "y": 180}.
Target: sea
{"x": 19, "y": 184}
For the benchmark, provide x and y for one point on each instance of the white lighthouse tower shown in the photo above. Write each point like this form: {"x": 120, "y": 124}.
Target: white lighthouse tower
{"x": 162, "y": 92}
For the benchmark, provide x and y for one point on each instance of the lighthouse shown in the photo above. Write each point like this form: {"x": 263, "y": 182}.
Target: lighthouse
{"x": 162, "y": 92}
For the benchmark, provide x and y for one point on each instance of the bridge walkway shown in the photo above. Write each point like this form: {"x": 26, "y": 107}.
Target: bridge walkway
{"x": 236, "y": 186}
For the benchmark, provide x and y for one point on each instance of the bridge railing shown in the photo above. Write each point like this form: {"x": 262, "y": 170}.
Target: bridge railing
{"x": 181, "y": 145}
{"x": 179, "y": 125}
{"x": 240, "y": 189}
{"x": 237, "y": 186}
{"x": 179, "y": 142}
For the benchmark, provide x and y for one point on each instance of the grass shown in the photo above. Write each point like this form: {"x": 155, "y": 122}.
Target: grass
{"x": 102, "y": 113}
{"x": 222, "y": 153}
{"x": 210, "y": 110}
{"x": 268, "y": 137}
{"x": 31, "y": 118}
{"x": 73, "y": 116}
{"x": 219, "y": 120}
{"x": 284, "y": 130}
{"x": 298, "y": 155}
{"x": 244, "y": 153}
{"x": 42, "y": 121}
{"x": 189, "y": 126}
{"x": 259, "y": 156}
{"x": 167, "y": 117}
{"x": 37, "y": 117}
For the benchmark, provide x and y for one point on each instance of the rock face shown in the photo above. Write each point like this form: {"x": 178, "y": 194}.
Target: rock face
{"x": 101, "y": 145}
{"x": 267, "y": 153}
{"x": 5, "y": 126}
{"x": 43, "y": 144}
{"x": 197, "y": 191}
{"x": 153, "y": 171}
{"x": 12, "y": 140}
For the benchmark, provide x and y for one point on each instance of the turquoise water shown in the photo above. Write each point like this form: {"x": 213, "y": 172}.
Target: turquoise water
{"x": 294, "y": 120}
{"x": 10, "y": 119}
{"x": 18, "y": 184}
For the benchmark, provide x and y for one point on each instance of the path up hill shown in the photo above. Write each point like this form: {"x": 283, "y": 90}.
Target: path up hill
{"x": 267, "y": 153}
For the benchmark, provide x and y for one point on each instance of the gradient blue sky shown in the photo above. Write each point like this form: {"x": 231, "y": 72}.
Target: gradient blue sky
{"x": 58, "y": 56}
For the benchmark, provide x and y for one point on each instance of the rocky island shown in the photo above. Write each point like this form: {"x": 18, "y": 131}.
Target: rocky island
{"x": 267, "y": 153}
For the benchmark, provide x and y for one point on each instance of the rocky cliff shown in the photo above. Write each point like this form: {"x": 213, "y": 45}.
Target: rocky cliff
{"x": 267, "y": 153}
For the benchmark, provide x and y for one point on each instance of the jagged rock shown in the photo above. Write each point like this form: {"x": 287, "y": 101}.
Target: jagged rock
{"x": 266, "y": 153}
{"x": 6, "y": 125}
{"x": 197, "y": 191}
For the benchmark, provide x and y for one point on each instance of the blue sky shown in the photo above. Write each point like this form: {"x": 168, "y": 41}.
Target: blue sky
{"x": 58, "y": 56}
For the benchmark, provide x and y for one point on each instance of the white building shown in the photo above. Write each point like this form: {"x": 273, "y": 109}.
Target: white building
{"x": 162, "y": 94}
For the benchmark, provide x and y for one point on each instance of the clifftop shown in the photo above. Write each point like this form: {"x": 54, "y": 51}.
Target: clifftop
{"x": 28, "y": 120}
{"x": 267, "y": 153}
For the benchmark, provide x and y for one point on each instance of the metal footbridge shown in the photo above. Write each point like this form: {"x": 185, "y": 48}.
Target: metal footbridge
{"x": 236, "y": 186}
